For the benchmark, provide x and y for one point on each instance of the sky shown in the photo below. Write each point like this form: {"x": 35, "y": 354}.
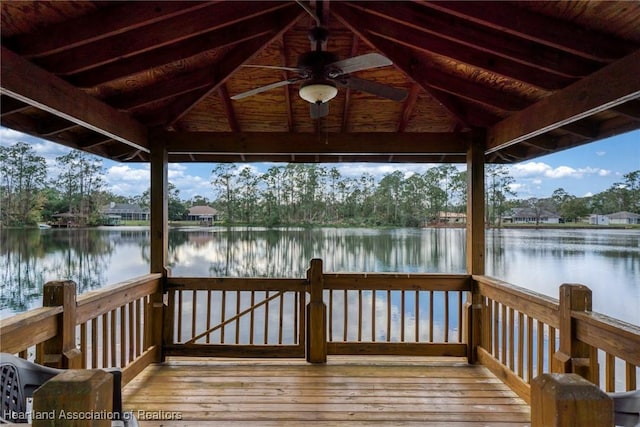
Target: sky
{"x": 580, "y": 171}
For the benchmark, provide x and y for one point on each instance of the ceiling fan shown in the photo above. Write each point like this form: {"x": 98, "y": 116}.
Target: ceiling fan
{"x": 320, "y": 73}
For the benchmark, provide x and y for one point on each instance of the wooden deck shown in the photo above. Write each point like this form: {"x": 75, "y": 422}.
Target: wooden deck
{"x": 352, "y": 391}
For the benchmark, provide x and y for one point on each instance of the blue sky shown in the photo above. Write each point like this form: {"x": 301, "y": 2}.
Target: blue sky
{"x": 581, "y": 171}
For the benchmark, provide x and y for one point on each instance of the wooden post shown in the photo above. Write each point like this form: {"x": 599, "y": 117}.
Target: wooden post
{"x": 475, "y": 240}
{"x": 574, "y": 356}
{"x": 159, "y": 244}
{"x": 568, "y": 400}
{"x": 75, "y": 398}
{"x": 61, "y": 351}
{"x": 316, "y": 316}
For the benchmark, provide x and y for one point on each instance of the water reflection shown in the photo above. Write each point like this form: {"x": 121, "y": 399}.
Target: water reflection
{"x": 608, "y": 261}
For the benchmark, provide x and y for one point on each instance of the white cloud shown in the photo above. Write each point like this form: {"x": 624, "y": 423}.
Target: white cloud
{"x": 600, "y": 153}
{"x": 538, "y": 170}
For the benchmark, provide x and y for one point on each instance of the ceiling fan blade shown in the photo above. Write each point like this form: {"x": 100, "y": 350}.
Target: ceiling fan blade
{"x": 318, "y": 109}
{"x": 357, "y": 63}
{"x": 263, "y": 88}
{"x": 275, "y": 67}
{"x": 374, "y": 88}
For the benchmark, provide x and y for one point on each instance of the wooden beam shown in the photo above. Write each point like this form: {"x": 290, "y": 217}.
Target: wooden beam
{"x": 486, "y": 39}
{"x": 407, "y": 108}
{"x": 561, "y": 34}
{"x": 431, "y": 43}
{"x": 475, "y": 204}
{"x": 159, "y": 208}
{"x": 361, "y": 143}
{"x": 216, "y": 39}
{"x": 313, "y": 158}
{"x": 418, "y": 68}
{"x": 228, "y": 108}
{"x": 154, "y": 36}
{"x": 103, "y": 23}
{"x": 614, "y": 84}
{"x": 33, "y": 85}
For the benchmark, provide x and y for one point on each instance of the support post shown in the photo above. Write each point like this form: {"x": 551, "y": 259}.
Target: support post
{"x": 568, "y": 400}
{"x": 61, "y": 351}
{"x": 316, "y": 316}
{"x": 574, "y": 356}
{"x": 75, "y": 398}
{"x": 475, "y": 240}
{"x": 159, "y": 243}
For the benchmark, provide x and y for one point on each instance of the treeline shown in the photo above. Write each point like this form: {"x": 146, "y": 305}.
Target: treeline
{"x": 292, "y": 194}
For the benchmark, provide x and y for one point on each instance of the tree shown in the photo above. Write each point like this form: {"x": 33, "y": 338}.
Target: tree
{"x": 21, "y": 182}
{"x": 498, "y": 187}
{"x": 82, "y": 181}
{"x": 222, "y": 179}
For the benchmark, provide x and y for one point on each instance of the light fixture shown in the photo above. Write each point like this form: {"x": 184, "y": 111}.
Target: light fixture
{"x": 318, "y": 91}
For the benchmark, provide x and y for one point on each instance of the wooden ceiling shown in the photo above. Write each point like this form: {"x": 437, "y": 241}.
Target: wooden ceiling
{"x": 115, "y": 78}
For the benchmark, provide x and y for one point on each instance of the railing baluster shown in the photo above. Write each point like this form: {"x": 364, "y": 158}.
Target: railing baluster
{"x": 281, "y": 317}
{"x": 552, "y": 345}
{"x": 237, "y": 322}
{"x": 105, "y": 341}
{"x": 223, "y": 311}
{"x": 520, "y": 344}
{"x": 610, "y": 372}
{"x": 402, "y": 315}
{"x": 388, "y": 315}
{"x": 503, "y": 347}
{"x": 460, "y": 306}
{"x": 496, "y": 329}
{"x": 446, "y": 316}
{"x": 139, "y": 336}
{"x": 252, "y": 318}
{"x": 123, "y": 337}
{"x": 373, "y": 316}
{"x": 330, "y": 315}
{"x": 132, "y": 325}
{"x": 94, "y": 343}
{"x": 266, "y": 320}
{"x": 431, "y": 317}
{"x": 417, "y": 315}
{"x": 529, "y": 349}
{"x": 83, "y": 344}
{"x": 194, "y": 315}
{"x": 179, "y": 316}
{"x": 630, "y": 376}
{"x": 359, "y": 315}
{"x": 511, "y": 332}
{"x": 208, "y": 326}
{"x": 112, "y": 337}
{"x": 346, "y": 314}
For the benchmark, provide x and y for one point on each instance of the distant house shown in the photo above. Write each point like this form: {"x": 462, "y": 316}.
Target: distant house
{"x": 595, "y": 219}
{"x": 625, "y": 218}
{"x": 203, "y": 214}
{"x": 126, "y": 212}
{"x": 530, "y": 216}
{"x": 452, "y": 217}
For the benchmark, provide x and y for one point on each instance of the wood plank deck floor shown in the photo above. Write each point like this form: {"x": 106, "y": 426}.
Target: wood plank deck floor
{"x": 354, "y": 391}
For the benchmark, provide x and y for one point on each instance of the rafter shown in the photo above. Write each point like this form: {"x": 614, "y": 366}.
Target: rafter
{"x": 34, "y": 86}
{"x": 216, "y": 39}
{"x": 416, "y": 39}
{"x": 517, "y": 21}
{"x": 404, "y": 64}
{"x": 407, "y": 108}
{"x": 613, "y": 85}
{"x": 228, "y": 108}
{"x": 486, "y": 39}
{"x": 154, "y": 36}
{"x": 103, "y": 23}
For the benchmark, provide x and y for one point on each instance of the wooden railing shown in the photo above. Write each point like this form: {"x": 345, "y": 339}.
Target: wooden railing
{"x": 235, "y": 317}
{"x": 409, "y": 314}
{"x": 525, "y": 334}
{"x": 520, "y": 334}
{"x": 110, "y": 327}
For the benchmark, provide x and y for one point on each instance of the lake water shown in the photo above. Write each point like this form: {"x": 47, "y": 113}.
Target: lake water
{"x": 608, "y": 261}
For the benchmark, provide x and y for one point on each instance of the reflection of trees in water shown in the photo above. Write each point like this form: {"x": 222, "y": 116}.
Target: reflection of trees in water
{"x": 256, "y": 252}
{"x": 19, "y": 273}
{"x": 32, "y": 257}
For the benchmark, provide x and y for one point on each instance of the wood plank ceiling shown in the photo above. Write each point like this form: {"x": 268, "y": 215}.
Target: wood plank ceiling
{"x": 114, "y": 78}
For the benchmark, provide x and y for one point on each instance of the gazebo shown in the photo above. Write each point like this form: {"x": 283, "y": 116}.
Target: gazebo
{"x": 330, "y": 81}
